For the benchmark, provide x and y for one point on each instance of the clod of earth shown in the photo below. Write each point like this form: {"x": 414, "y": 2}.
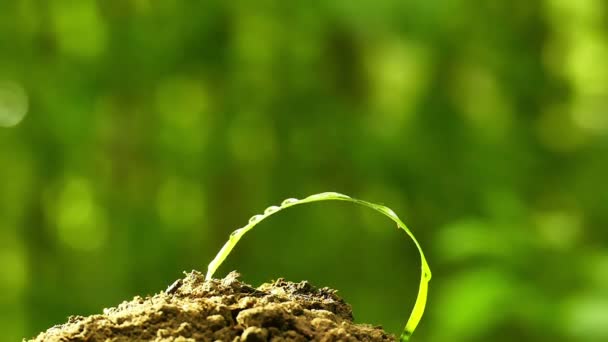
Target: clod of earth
{"x": 193, "y": 309}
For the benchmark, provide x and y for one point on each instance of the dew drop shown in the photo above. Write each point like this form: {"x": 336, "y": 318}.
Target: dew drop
{"x": 336, "y": 195}
{"x": 315, "y": 196}
{"x": 328, "y": 195}
{"x": 271, "y": 210}
{"x": 234, "y": 233}
{"x": 289, "y": 201}
{"x": 255, "y": 218}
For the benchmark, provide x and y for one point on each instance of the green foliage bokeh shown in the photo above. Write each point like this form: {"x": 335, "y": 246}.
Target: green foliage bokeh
{"x": 155, "y": 128}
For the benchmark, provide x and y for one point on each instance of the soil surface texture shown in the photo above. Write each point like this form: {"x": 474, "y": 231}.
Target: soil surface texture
{"x": 193, "y": 309}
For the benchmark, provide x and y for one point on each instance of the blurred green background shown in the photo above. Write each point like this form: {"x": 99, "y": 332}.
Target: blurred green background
{"x": 155, "y": 128}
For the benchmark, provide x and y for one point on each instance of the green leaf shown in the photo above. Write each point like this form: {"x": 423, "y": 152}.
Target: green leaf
{"x": 425, "y": 276}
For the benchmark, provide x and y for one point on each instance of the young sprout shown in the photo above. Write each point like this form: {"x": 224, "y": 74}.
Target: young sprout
{"x": 425, "y": 277}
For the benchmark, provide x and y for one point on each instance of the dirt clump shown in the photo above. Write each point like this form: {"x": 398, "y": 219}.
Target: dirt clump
{"x": 193, "y": 309}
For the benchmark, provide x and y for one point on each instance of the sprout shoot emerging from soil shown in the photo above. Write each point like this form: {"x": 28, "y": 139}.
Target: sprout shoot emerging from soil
{"x": 420, "y": 303}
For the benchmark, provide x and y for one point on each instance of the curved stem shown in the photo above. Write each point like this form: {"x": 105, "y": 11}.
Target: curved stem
{"x": 425, "y": 276}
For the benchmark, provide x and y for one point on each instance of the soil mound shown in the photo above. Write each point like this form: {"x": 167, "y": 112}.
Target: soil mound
{"x": 193, "y": 309}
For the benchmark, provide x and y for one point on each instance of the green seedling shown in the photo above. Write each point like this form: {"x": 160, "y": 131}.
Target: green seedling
{"x": 425, "y": 277}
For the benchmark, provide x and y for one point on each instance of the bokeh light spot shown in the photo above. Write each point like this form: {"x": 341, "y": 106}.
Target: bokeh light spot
{"x": 589, "y": 113}
{"x": 182, "y": 104}
{"x": 13, "y": 273}
{"x": 80, "y": 223}
{"x": 585, "y": 63}
{"x": 586, "y": 317}
{"x": 398, "y": 72}
{"x": 13, "y": 104}
{"x": 79, "y": 29}
{"x": 482, "y": 102}
{"x": 559, "y": 229}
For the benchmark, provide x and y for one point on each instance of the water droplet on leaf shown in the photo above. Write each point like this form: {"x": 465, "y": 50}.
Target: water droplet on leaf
{"x": 271, "y": 210}
{"x": 289, "y": 201}
{"x": 255, "y": 218}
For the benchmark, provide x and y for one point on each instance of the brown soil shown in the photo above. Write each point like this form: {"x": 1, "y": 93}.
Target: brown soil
{"x": 193, "y": 309}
